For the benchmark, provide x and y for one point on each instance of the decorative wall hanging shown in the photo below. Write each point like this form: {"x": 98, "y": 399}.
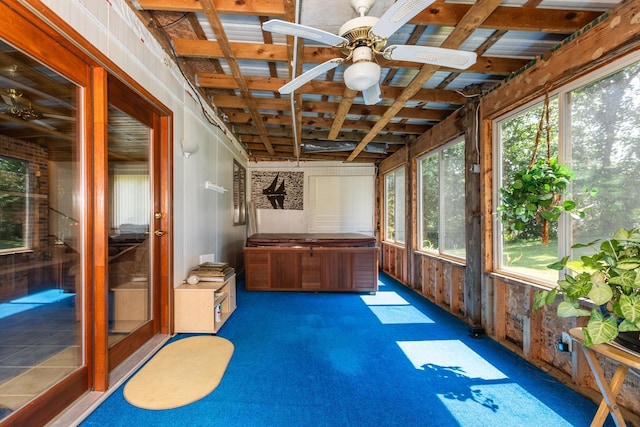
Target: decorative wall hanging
{"x": 277, "y": 190}
{"x": 239, "y": 194}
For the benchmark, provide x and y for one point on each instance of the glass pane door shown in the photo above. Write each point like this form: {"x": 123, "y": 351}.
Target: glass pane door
{"x": 129, "y": 221}
{"x": 41, "y": 222}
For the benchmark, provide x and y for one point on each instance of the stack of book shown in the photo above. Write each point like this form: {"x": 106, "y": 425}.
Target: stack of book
{"x": 213, "y": 271}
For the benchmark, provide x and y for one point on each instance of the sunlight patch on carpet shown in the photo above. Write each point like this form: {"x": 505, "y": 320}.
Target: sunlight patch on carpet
{"x": 399, "y": 314}
{"x": 384, "y": 298}
{"x": 497, "y": 404}
{"x": 180, "y": 373}
{"x": 450, "y": 358}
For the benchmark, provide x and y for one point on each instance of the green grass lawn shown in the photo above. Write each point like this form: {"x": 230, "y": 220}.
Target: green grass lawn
{"x": 531, "y": 258}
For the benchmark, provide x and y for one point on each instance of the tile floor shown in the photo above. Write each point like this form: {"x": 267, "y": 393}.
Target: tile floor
{"x": 39, "y": 345}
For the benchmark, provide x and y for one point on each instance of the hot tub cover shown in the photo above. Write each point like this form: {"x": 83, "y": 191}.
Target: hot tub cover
{"x": 329, "y": 240}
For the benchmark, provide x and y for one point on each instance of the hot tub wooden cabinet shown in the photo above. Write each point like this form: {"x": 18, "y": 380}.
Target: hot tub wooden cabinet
{"x": 311, "y": 262}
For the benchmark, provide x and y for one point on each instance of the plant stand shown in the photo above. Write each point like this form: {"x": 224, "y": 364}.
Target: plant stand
{"x": 610, "y": 390}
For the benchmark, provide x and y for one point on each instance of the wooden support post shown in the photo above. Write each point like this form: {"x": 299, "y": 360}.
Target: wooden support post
{"x": 473, "y": 272}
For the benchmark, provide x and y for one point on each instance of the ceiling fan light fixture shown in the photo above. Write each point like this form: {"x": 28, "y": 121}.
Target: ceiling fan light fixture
{"x": 362, "y": 75}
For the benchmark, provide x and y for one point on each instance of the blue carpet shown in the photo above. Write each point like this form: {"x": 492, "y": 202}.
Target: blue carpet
{"x": 390, "y": 359}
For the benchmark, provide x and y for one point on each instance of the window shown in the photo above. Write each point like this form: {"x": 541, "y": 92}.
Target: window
{"x": 522, "y": 252}
{"x": 394, "y": 193}
{"x": 14, "y": 190}
{"x": 441, "y": 204}
{"x": 130, "y": 201}
{"x": 596, "y": 130}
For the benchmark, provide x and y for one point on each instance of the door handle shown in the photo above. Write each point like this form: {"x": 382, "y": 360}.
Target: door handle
{"x": 159, "y": 233}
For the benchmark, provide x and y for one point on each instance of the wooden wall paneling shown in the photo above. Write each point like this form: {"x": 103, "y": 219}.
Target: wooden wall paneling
{"x": 500, "y": 309}
{"x": 488, "y": 305}
{"x": 387, "y": 258}
{"x": 384, "y": 261}
{"x": 439, "y": 291}
{"x": 424, "y": 274}
{"x": 457, "y": 289}
{"x": 532, "y": 328}
{"x": 433, "y": 278}
{"x": 446, "y": 284}
{"x": 396, "y": 266}
{"x": 427, "y": 277}
{"x": 401, "y": 261}
{"x": 417, "y": 277}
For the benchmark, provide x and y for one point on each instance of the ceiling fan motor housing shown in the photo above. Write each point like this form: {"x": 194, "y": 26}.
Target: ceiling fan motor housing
{"x": 356, "y": 30}
{"x": 363, "y": 73}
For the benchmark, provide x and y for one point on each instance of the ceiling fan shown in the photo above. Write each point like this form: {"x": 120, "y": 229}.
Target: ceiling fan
{"x": 364, "y": 37}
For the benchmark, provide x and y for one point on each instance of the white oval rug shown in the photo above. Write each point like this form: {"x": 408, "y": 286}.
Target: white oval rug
{"x": 180, "y": 373}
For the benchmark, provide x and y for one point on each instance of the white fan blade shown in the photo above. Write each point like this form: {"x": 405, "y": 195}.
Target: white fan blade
{"x": 59, "y": 117}
{"x": 372, "y": 95}
{"x": 398, "y": 15}
{"x": 292, "y": 29}
{"x": 431, "y": 55}
{"x": 310, "y": 75}
{"x": 43, "y": 124}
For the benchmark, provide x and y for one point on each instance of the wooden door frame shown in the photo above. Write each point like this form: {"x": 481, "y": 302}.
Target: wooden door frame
{"x": 36, "y": 30}
{"x": 123, "y": 97}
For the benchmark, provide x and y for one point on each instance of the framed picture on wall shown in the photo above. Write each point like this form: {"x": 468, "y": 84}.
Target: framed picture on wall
{"x": 239, "y": 194}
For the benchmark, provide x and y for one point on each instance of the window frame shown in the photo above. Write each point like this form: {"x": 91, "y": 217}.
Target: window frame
{"x": 392, "y": 173}
{"x": 27, "y": 214}
{"x": 565, "y": 149}
{"x": 441, "y": 207}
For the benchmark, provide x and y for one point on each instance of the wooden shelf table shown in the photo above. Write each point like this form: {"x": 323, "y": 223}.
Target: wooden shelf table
{"x": 626, "y": 359}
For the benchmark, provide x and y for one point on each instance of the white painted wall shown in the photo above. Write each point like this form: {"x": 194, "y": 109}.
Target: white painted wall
{"x": 202, "y": 218}
{"x": 338, "y": 198}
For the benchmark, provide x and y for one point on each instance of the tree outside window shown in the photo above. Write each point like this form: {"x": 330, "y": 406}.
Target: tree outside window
{"x": 13, "y": 203}
{"x": 442, "y": 200}
{"x": 600, "y": 142}
{"x": 395, "y": 206}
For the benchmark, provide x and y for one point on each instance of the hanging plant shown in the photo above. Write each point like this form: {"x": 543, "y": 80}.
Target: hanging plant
{"x": 535, "y": 194}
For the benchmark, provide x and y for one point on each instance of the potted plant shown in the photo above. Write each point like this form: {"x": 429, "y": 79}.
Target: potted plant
{"x": 610, "y": 278}
{"x": 535, "y": 195}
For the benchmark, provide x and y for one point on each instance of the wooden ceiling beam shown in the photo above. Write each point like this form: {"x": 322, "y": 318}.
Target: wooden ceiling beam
{"x": 274, "y": 8}
{"x": 236, "y": 112}
{"x": 341, "y": 113}
{"x": 223, "y": 81}
{"x": 192, "y": 48}
{"x": 558, "y": 21}
{"x": 317, "y": 122}
{"x": 214, "y": 20}
{"x": 281, "y": 136}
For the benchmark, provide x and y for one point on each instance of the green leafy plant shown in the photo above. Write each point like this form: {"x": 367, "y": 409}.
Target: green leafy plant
{"x": 610, "y": 278}
{"x": 535, "y": 195}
